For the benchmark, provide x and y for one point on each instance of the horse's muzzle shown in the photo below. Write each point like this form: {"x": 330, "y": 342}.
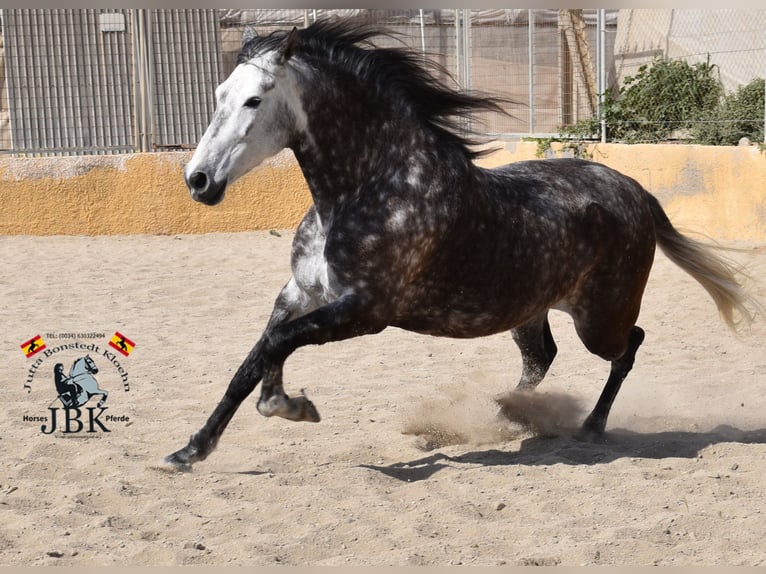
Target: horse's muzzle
{"x": 204, "y": 189}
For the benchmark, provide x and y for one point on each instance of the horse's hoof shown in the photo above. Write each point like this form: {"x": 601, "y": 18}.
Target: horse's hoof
{"x": 299, "y": 409}
{"x": 309, "y": 411}
{"x": 592, "y": 435}
{"x": 172, "y": 463}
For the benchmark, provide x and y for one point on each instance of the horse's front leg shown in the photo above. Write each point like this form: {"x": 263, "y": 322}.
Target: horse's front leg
{"x": 204, "y": 441}
{"x": 349, "y": 316}
{"x": 290, "y": 303}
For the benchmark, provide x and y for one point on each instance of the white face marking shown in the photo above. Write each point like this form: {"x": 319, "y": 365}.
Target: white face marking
{"x": 257, "y": 108}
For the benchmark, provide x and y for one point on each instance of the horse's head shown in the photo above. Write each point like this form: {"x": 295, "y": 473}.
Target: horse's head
{"x": 257, "y": 113}
{"x": 90, "y": 365}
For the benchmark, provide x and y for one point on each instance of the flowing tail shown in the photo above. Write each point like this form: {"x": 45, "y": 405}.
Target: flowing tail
{"x": 714, "y": 273}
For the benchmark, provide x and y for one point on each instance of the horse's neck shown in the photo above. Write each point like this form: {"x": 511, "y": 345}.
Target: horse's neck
{"x": 77, "y": 368}
{"x": 352, "y": 156}
{"x": 330, "y": 180}
{"x": 346, "y": 134}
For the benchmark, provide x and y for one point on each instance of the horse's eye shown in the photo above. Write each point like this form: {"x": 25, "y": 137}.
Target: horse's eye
{"x": 253, "y": 102}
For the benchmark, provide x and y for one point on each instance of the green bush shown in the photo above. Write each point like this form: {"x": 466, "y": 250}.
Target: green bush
{"x": 673, "y": 99}
{"x": 666, "y": 97}
{"x": 739, "y": 115}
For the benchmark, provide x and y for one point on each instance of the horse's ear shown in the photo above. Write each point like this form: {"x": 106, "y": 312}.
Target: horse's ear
{"x": 285, "y": 52}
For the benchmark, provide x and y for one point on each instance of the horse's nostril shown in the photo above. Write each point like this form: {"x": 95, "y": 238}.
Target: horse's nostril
{"x": 198, "y": 180}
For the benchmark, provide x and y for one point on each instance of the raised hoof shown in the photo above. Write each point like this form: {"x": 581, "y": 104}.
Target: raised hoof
{"x": 299, "y": 409}
{"x": 308, "y": 412}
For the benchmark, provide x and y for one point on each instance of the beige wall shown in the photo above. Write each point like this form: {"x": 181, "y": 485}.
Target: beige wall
{"x": 719, "y": 191}
{"x": 141, "y": 193}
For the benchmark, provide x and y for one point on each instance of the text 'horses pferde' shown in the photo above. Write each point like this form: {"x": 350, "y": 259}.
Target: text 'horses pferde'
{"x": 406, "y": 231}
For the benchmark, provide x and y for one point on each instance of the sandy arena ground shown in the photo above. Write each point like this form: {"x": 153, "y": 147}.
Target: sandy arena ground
{"x": 407, "y": 467}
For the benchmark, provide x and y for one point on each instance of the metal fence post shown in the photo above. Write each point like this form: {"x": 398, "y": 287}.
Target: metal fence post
{"x": 459, "y": 71}
{"x": 601, "y": 51}
{"x": 531, "y": 63}
{"x": 462, "y": 48}
{"x": 142, "y": 78}
{"x": 422, "y": 34}
{"x": 138, "y": 84}
{"x": 149, "y": 81}
{"x": 467, "y": 47}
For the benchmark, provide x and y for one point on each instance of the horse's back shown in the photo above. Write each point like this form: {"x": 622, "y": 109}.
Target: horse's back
{"x": 580, "y": 209}
{"x": 535, "y": 235}
{"x": 571, "y": 185}
{"x": 566, "y": 209}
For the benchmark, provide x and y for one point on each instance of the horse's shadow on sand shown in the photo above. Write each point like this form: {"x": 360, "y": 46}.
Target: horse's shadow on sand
{"x": 538, "y": 451}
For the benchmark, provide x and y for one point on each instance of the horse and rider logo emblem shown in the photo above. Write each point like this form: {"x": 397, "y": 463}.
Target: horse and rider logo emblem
{"x": 76, "y": 389}
{"x": 71, "y": 410}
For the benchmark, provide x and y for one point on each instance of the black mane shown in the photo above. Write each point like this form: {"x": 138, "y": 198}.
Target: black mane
{"x": 397, "y": 72}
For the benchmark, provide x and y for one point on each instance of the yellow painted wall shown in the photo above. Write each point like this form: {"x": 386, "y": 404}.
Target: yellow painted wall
{"x": 719, "y": 191}
{"x": 141, "y": 193}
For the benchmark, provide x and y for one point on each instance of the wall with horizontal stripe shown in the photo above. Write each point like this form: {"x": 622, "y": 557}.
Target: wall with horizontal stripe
{"x": 717, "y": 191}
{"x": 141, "y": 193}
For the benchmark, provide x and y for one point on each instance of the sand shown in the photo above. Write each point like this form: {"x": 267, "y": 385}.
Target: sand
{"x": 409, "y": 465}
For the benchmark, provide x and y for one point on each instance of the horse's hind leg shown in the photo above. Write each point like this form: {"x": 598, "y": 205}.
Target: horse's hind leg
{"x": 595, "y": 423}
{"x": 605, "y": 320}
{"x": 535, "y": 341}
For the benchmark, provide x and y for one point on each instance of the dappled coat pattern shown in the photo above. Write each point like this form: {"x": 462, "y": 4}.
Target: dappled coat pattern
{"x": 406, "y": 231}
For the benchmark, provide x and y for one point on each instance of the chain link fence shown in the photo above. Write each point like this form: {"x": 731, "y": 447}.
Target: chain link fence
{"x": 100, "y": 81}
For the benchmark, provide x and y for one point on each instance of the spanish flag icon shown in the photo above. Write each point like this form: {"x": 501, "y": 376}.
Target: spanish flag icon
{"x": 121, "y": 343}
{"x": 33, "y": 346}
